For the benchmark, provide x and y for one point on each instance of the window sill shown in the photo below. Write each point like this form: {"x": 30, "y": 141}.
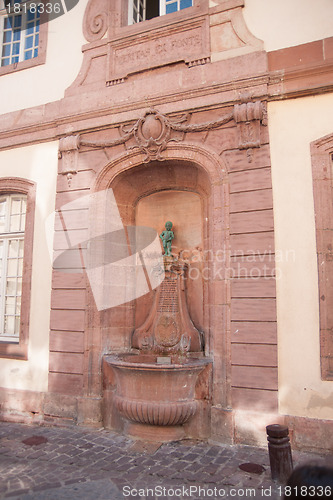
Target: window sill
{"x": 30, "y": 63}
{"x": 13, "y": 350}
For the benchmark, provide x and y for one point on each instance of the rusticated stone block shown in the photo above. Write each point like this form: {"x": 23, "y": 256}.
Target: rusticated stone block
{"x": 89, "y": 411}
{"x": 222, "y": 425}
{"x": 60, "y": 405}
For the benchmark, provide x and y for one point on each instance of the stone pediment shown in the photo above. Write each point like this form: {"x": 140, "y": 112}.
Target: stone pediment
{"x": 192, "y": 37}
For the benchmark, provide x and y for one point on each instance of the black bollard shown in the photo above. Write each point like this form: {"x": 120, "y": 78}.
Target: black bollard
{"x": 279, "y": 452}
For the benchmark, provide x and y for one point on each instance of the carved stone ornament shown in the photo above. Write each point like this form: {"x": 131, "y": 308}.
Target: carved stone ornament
{"x": 153, "y": 131}
{"x": 68, "y": 154}
{"x": 249, "y": 116}
{"x": 95, "y": 22}
{"x": 168, "y": 329}
{"x": 156, "y": 412}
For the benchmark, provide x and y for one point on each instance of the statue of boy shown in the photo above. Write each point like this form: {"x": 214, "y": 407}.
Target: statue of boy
{"x": 167, "y": 236}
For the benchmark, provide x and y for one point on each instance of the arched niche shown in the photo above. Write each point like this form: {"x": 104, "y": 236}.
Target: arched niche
{"x": 149, "y": 195}
{"x": 196, "y": 178}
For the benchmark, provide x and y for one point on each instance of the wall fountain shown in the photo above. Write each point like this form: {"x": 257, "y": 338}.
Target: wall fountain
{"x": 160, "y": 388}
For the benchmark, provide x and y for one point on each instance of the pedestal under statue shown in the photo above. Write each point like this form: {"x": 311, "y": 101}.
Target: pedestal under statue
{"x": 168, "y": 328}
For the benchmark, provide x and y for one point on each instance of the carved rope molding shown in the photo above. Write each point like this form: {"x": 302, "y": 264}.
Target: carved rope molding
{"x": 152, "y": 133}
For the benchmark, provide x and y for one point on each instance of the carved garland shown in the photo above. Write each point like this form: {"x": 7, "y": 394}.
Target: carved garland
{"x": 152, "y": 133}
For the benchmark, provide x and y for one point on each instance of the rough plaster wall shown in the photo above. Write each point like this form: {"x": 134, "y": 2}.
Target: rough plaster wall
{"x": 38, "y": 164}
{"x": 293, "y": 125}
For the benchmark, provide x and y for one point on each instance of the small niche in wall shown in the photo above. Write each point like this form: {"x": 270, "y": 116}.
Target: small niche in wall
{"x": 184, "y": 210}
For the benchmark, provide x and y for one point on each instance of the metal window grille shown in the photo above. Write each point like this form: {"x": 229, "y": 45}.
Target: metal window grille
{"x": 137, "y": 11}
{"x": 137, "y": 8}
{"x": 12, "y": 226}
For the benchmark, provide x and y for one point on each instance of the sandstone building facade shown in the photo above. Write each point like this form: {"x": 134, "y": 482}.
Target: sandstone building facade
{"x": 213, "y": 113}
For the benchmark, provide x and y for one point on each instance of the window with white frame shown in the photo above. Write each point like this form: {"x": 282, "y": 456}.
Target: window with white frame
{"x": 142, "y": 10}
{"x": 12, "y": 227}
{"x": 20, "y": 28}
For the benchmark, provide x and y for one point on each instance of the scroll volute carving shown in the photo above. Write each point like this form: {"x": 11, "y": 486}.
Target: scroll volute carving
{"x": 249, "y": 116}
{"x": 68, "y": 156}
{"x": 96, "y": 20}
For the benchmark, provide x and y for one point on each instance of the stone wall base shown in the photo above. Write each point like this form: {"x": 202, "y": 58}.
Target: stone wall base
{"x": 31, "y": 407}
{"x": 246, "y": 427}
{"x": 227, "y": 426}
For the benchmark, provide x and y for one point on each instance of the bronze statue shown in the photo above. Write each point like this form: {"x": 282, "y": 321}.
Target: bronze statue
{"x": 167, "y": 236}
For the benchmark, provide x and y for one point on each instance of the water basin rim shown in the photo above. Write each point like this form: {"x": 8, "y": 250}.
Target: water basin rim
{"x": 189, "y": 363}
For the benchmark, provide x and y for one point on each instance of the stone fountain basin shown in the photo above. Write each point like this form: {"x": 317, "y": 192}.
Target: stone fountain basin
{"x": 155, "y": 393}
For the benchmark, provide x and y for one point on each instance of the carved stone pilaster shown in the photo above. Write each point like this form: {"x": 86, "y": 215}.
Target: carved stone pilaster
{"x": 249, "y": 116}
{"x": 68, "y": 154}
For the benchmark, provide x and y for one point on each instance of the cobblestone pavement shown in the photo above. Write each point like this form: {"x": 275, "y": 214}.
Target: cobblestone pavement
{"x": 97, "y": 464}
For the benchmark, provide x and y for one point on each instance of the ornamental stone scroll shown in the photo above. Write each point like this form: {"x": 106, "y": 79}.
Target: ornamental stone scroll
{"x": 249, "y": 116}
{"x": 68, "y": 154}
{"x": 95, "y": 22}
{"x": 153, "y": 131}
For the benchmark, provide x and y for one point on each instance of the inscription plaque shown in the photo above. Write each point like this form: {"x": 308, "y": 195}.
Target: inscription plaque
{"x": 186, "y": 41}
{"x": 168, "y": 299}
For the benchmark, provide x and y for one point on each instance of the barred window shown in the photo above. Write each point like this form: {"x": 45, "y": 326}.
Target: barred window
{"x": 142, "y": 10}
